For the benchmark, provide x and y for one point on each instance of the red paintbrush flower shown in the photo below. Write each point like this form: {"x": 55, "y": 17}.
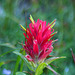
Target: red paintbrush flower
{"x": 39, "y": 44}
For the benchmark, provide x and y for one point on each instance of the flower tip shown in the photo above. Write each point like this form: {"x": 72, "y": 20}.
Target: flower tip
{"x": 52, "y": 23}
{"x": 54, "y": 40}
{"x": 55, "y": 19}
{"x": 31, "y": 18}
{"x": 22, "y": 27}
{"x": 54, "y": 33}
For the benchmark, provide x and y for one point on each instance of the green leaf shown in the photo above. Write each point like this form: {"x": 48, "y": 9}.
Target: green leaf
{"x": 6, "y": 61}
{"x": 22, "y": 61}
{"x": 48, "y": 61}
{"x": 20, "y": 73}
{"x": 6, "y": 52}
{"x": 8, "y": 45}
{"x": 25, "y": 60}
{"x": 1, "y": 63}
{"x": 16, "y": 65}
{"x": 40, "y": 68}
{"x": 50, "y": 68}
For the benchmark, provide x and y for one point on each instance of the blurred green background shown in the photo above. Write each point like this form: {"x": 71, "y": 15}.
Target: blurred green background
{"x": 13, "y": 13}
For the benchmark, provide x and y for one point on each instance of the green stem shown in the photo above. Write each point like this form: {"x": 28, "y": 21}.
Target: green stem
{"x": 16, "y": 65}
{"x": 21, "y": 68}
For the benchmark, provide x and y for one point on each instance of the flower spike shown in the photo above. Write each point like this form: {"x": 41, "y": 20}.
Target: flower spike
{"x": 39, "y": 44}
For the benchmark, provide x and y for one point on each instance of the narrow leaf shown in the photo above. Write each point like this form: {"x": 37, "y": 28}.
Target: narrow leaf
{"x": 48, "y": 61}
{"x": 6, "y": 52}
{"x": 16, "y": 65}
{"x": 8, "y": 45}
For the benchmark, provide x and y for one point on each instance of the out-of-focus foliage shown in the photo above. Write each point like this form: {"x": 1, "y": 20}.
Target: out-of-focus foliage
{"x": 13, "y": 13}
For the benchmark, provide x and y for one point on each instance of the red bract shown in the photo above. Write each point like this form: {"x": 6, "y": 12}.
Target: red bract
{"x": 39, "y": 44}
